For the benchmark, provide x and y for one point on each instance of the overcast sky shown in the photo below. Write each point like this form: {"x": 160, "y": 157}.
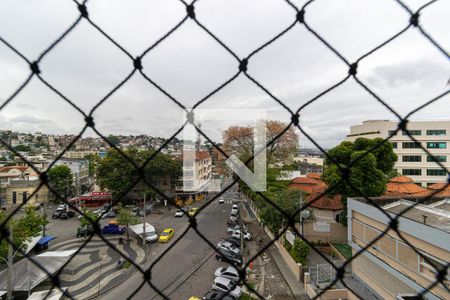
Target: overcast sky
{"x": 85, "y": 66}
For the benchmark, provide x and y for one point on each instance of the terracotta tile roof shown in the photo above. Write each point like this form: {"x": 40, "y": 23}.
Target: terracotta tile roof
{"x": 402, "y": 185}
{"x": 20, "y": 168}
{"x": 304, "y": 180}
{"x": 307, "y": 185}
{"x": 401, "y": 179}
{"x": 314, "y": 176}
{"x": 444, "y": 187}
{"x": 326, "y": 201}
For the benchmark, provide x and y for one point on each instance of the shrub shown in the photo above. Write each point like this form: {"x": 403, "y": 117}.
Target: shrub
{"x": 300, "y": 251}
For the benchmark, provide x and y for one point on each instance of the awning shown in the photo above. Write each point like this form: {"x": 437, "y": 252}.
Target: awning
{"x": 45, "y": 239}
{"x": 28, "y": 275}
{"x": 32, "y": 242}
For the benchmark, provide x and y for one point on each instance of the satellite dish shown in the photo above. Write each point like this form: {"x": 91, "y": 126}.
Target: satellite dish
{"x": 305, "y": 214}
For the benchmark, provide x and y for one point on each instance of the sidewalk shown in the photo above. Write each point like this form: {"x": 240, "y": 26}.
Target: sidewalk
{"x": 294, "y": 285}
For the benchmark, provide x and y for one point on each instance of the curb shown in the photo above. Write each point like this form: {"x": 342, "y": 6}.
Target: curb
{"x": 120, "y": 281}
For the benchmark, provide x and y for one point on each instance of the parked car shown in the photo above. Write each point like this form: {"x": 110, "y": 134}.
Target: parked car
{"x": 228, "y": 272}
{"x": 85, "y": 231}
{"x": 193, "y": 211}
{"x": 235, "y": 258}
{"x": 111, "y": 214}
{"x": 64, "y": 215}
{"x": 233, "y": 241}
{"x": 62, "y": 207}
{"x": 233, "y": 228}
{"x": 237, "y": 235}
{"x": 166, "y": 235}
{"x": 113, "y": 229}
{"x": 217, "y": 295}
{"x": 229, "y": 246}
{"x": 226, "y": 285}
{"x": 179, "y": 213}
{"x": 234, "y": 212}
{"x": 235, "y": 206}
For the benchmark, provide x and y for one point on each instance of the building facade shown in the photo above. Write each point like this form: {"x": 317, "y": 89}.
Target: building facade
{"x": 18, "y": 191}
{"x": 413, "y": 161}
{"x": 390, "y": 268}
{"x": 80, "y": 173}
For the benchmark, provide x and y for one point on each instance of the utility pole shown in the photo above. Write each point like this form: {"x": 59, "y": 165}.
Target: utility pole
{"x": 301, "y": 211}
{"x": 143, "y": 221}
{"x": 10, "y": 265}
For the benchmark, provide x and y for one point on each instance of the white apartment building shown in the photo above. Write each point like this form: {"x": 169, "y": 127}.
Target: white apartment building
{"x": 413, "y": 161}
{"x": 197, "y": 171}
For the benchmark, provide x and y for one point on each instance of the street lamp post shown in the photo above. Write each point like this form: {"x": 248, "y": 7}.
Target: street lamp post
{"x": 100, "y": 277}
{"x": 301, "y": 213}
{"x": 143, "y": 221}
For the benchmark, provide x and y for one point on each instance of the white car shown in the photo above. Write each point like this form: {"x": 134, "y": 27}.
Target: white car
{"x": 231, "y": 229}
{"x": 237, "y": 235}
{"x": 179, "y": 213}
{"x": 234, "y": 212}
{"x": 228, "y": 272}
{"x": 229, "y": 246}
{"x": 235, "y": 206}
{"x": 221, "y": 200}
{"x": 62, "y": 207}
{"x": 226, "y": 285}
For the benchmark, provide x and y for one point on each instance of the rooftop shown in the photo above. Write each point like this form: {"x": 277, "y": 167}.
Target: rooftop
{"x": 426, "y": 214}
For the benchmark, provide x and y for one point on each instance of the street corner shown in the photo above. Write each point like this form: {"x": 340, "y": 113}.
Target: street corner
{"x": 100, "y": 264}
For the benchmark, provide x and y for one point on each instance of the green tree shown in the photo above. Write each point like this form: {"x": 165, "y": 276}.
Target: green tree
{"x": 116, "y": 174}
{"x": 368, "y": 175}
{"x": 113, "y": 139}
{"x": 23, "y": 229}
{"x": 60, "y": 179}
{"x": 288, "y": 200}
{"x": 299, "y": 251}
{"x": 93, "y": 160}
{"x": 126, "y": 217}
{"x": 88, "y": 218}
{"x": 23, "y": 148}
{"x": 370, "y": 172}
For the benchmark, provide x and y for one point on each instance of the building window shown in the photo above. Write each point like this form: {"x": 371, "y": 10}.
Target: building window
{"x": 412, "y": 132}
{"x": 388, "y": 246}
{"x": 14, "y": 197}
{"x": 411, "y": 158}
{"x": 436, "y": 145}
{"x": 410, "y": 145}
{"x": 24, "y": 197}
{"x": 394, "y": 145}
{"x": 358, "y": 229}
{"x": 437, "y": 132}
{"x": 413, "y": 172}
{"x": 436, "y": 172}
{"x": 188, "y": 163}
{"x": 391, "y": 132}
{"x": 407, "y": 256}
{"x": 436, "y": 158}
{"x": 188, "y": 173}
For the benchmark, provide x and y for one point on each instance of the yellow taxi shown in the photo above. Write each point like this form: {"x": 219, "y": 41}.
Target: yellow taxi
{"x": 166, "y": 235}
{"x": 194, "y": 298}
{"x": 193, "y": 211}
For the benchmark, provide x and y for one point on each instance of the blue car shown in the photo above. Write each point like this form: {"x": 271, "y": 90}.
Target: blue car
{"x": 113, "y": 229}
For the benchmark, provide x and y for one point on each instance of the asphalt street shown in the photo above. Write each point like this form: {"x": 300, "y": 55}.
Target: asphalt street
{"x": 187, "y": 268}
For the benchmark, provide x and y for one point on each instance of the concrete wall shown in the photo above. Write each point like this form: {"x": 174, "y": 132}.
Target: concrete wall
{"x": 337, "y": 234}
{"x": 330, "y": 294}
